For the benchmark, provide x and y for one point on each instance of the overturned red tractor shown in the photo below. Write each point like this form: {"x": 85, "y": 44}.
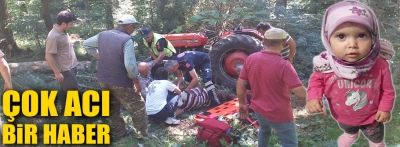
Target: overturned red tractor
{"x": 227, "y": 51}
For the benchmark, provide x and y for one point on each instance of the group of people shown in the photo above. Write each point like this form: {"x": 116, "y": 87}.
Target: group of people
{"x": 129, "y": 83}
{"x": 353, "y": 74}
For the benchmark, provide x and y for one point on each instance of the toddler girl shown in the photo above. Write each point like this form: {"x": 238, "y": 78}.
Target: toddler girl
{"x": 353, "y": 73}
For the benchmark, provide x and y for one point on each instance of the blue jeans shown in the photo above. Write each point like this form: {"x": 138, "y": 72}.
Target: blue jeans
{"x": 286, "y": 132}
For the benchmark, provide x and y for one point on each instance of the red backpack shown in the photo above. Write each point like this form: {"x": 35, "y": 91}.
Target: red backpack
{"x": 212, "y": 130}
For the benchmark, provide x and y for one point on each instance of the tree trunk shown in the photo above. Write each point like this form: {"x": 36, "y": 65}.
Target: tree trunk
{"x": 86, "y": 9}
{"x": 6, "y": 29}
{"x": 109, "y": 17}
{"x": 22, "y": 8}
{"x": 46, "y": 14}
{"x": 42, "y": 67}
{"x": 281, "y": 3}
{"x": 280, "y": 7}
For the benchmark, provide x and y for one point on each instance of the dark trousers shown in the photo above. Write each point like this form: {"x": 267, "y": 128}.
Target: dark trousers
{"x": 69, "y": 83}
{"x": 168, "y": 110}
{"x": 374, "y": 132}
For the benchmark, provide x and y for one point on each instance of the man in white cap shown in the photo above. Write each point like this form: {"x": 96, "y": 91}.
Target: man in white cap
{"x": 289, "y": 49}
{"x": 117, "y": 72}
{"x": 271, "y": 77}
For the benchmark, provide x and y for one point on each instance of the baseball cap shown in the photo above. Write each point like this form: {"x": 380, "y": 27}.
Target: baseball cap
{"x": 127, "y": 19}
{"x": 275, "y": 33}
{"x": 145, "y": 32}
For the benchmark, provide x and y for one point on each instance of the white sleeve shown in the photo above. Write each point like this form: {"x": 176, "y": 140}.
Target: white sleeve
{"x": 171, "y": 86}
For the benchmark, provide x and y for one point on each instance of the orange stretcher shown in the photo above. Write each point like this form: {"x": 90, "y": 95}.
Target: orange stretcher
{"x": 224, "y": 110}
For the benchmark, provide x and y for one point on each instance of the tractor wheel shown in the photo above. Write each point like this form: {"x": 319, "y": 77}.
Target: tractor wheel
{"x": 227, "y": 54}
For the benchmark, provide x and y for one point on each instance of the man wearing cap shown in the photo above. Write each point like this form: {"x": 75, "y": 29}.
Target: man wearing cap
{"x": 117, "y": 72}
{"x": 289, "y": 49}
{"x": 60, "y": 55}
{"x": 159, "y": 47}
{"x": 271, "y": 78}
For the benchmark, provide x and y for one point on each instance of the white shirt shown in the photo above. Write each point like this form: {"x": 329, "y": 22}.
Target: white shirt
{"x": 156, "y": 97}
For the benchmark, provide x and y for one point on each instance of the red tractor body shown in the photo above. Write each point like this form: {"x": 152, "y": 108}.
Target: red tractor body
{"x": 187, "y": 40}
{"x": 227, "y": 51}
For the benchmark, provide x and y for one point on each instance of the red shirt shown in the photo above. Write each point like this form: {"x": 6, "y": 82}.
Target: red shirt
{"x": 271, "y": 77}
{"x": 355, "y": 102}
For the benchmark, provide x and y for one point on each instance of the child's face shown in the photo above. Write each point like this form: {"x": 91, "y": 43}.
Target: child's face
{"x": 351, "y": 42}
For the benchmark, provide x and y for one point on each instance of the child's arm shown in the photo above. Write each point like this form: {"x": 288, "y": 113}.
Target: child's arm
{"x": 315, "y": 92}
{"x": 300, "y": 92}
{"x": 388, "y": 94}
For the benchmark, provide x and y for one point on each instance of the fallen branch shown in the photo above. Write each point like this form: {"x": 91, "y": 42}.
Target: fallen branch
{"x": 41, "y": 67}
{"x": 87, "y": 87}
{"x": 87, "y": 77}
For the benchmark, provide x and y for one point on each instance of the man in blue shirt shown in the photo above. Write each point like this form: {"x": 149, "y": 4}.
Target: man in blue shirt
{"x": 189, "y": 63}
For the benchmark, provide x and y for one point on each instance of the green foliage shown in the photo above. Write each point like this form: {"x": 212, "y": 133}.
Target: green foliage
{"x": 236, "y": 11}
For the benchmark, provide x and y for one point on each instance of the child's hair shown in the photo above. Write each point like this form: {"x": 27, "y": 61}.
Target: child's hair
{"x": 161, "y": 74}
{"x": 66, "y": 17}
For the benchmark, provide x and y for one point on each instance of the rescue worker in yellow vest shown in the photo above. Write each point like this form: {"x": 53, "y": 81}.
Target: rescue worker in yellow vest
{"x": 159, "y": 47}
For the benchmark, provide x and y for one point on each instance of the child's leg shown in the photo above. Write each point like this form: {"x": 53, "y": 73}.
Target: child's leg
{"x": 346, "y": 140}
{"x": 375, "y": 133}
{"x": 264, "y": 132}
{"x": 349, "y": 137}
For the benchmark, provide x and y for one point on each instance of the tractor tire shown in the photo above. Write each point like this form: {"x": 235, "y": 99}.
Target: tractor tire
{"x": 221, "y": 50}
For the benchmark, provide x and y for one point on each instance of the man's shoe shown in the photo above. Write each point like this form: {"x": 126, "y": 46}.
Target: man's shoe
{"x": 172, "y": 121}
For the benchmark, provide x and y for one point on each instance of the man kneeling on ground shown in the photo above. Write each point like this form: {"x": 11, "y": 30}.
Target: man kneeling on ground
{"x": 161, "y": 99}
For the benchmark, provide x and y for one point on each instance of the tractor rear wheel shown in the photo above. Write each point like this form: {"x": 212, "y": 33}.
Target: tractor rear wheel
{"x": 229, "y": 53}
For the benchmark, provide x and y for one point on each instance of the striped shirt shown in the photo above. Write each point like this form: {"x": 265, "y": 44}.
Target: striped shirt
{"x": 285, "y": 50}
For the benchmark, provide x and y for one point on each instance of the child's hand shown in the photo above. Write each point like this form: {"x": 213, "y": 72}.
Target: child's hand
{"x": 382, "y": 116}
{"x": 243, "y": 111}
{"x": 314, "y": 106}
